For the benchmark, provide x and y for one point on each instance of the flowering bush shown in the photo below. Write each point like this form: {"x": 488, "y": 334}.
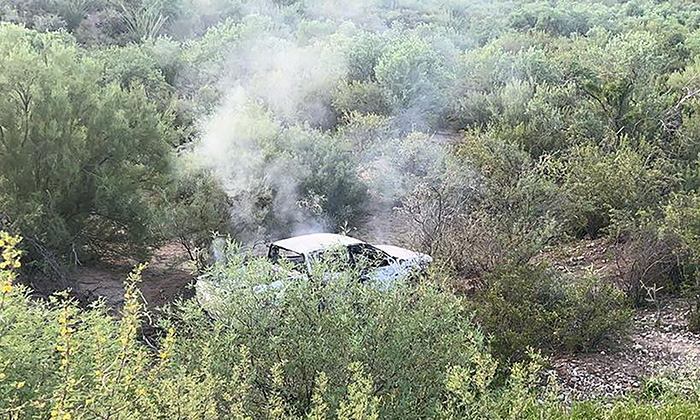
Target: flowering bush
{"x": 58, "y": 361}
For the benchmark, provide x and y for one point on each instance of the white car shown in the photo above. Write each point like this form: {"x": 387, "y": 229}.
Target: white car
{"x": 380, "y": 265}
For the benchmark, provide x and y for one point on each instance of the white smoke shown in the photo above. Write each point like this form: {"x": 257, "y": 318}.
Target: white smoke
{"x": 271, "y": 83}
{"x": 281, "y": 76}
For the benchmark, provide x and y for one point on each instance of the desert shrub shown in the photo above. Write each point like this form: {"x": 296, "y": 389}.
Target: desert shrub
{"x": 81, "y": 159}
{"x": 137, "y": 65}
{"x": 604, "y": 185}
{"x": 648, "y": 261}
{"x": 395, "y": 166}
{"x": 546, "y": 118}
{"x": 682, "y": 222}
{"x": 620, "y": 77}
{"x": 360, "y": 96}
{"x": 657, "y": 253}
{"x": 682, "y": 121}
{"x": 518, "y": 206}
{"x": 532, "y": 306}
{"x": 363, "y": 53}
{"x": 525, "y": 394}
{"x": 196, "y": 207}
{"x": 669, "y": 384}
{"x": 497, "y": 81}
{"x": 404, "y": 336}
{"x": 364, "y": 131}
{"x": 596, "y": 315}
{"x": 493, "y": 197}
{"x": 280, "y": 180}
{"x": 414, "y": 74}
{"x": 329, "y": 172}
{"x": 566, "y": 19}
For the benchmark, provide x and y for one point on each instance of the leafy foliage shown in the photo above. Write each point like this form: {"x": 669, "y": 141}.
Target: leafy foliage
{"x": 525, "y": 307}
{"x": 484, "y": 133}
{"x": 80, "y": 157}
{"x": 403, "y": 337}
{"x": 60, "y": 361}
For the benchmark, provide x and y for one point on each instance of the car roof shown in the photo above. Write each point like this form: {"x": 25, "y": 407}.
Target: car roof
{"x": 315, "y": 242}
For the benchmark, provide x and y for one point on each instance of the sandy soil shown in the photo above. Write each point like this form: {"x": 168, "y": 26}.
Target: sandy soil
{"x": 166, "y": 278}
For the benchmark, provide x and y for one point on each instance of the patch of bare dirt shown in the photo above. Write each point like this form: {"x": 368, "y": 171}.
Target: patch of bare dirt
{"x": 166, "y": 278}
{"x": 596, "y": 256}
{"x": 659, "y": 342}
{"x": 654, "y": 347}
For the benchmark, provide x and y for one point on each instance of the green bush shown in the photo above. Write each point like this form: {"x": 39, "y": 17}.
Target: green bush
{"x": 362, "y": 97}
{"x": 650, "y": 261}
{"x": 405, "y": 336}
{"x": 196, "y": 208}
{"x": 493, "y": 197}
{"x": 531, "y": 306}
{"x": 416, "y": 78}
{"x": 602, "y": 185}
{"x": 60, "y": 361}
{"x": 328, "y": 171}
{"x": 682, "y": 222}
{"x": 81, "y": 160}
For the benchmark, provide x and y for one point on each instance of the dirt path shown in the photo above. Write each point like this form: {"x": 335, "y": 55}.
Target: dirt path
{"x": 166, "y": 278}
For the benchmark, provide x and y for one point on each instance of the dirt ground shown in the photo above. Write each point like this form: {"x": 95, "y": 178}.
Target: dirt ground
{"x": 658, "y": 343}
{"x": 652, "y": 349}
{"x": 166, "y": 278}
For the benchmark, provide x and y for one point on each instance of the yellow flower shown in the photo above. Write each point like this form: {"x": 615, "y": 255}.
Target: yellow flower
{"x": 19, "y": 385}
{"x": 6, "y": 288}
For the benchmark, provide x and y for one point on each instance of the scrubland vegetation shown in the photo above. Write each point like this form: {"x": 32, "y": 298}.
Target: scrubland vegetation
{"x": 485, "y": 133}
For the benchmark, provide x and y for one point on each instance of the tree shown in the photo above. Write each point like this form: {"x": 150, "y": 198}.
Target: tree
{"x": 80, "y": 157}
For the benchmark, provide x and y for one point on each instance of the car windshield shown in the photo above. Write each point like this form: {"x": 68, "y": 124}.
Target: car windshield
{"x": 336, "y": 259}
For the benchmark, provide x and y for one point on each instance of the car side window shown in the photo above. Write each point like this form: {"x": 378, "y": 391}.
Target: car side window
{"x": 280, "y": 255}
{"x": 337, "y": 258}
{"x": 367, "y": 256}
